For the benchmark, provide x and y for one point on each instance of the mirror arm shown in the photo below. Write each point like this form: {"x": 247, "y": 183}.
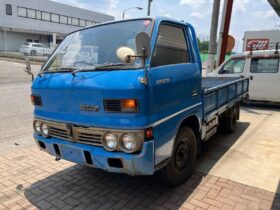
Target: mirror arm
{"x": 143, "y": 56}
{"x": 145, "y": 68}
{"x": 30, "y": 73}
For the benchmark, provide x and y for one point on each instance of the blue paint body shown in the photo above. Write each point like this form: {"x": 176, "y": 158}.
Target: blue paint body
{"x": 161, "y": 106}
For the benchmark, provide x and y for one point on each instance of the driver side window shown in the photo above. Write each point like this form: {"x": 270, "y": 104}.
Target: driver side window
{"x": 233, "y": 66}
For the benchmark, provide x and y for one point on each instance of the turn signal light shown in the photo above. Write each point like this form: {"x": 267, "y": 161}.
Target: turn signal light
{"x": 121, "y": 105}
{"x": 129, "y": 103}
{"x": 36, "y": 100}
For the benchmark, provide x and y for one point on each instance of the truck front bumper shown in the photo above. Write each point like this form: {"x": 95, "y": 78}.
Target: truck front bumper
{"x": 98, "y": 157}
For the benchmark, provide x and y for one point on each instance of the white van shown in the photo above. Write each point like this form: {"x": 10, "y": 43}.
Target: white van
{"x": 262, "y": 67}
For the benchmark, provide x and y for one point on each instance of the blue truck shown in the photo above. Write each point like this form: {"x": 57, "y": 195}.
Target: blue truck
{"x": 128, "y": 97}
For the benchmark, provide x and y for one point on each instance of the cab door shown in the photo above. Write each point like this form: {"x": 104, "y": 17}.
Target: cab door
{"x": 174, "y": 83}
{"x": 264, "y": 79}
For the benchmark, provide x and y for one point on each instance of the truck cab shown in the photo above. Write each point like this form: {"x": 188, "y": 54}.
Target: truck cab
{"x": 127, "y": 97}
{"x": 262, "y": 67}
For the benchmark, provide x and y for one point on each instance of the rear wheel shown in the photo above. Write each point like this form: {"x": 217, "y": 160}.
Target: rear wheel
{"x": 228, "y": 121}
{"x": 231, "y": 121}
{"x": 183, "y": 158}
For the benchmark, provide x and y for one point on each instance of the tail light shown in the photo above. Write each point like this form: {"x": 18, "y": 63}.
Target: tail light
{"x": 149, "y": 134}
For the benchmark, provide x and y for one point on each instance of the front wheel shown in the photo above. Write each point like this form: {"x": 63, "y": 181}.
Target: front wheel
{"x": 183, "y": 158}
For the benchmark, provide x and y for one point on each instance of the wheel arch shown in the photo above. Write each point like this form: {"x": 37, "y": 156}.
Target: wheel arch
{"x": 194, "y": 122}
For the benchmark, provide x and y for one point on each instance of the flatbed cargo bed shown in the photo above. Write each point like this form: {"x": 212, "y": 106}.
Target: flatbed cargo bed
{"x": 212, "y": 83}
{"x": 220, "y": 93}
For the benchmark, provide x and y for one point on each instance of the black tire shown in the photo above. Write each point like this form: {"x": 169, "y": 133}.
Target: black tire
{"x": 230, "y": 121}
{"x": 33, "y": 52}
{"x": 183, "y": 158}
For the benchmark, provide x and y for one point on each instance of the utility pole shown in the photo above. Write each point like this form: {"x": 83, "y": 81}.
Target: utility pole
{"x": 149, "y": 7}
{"x": 225, "y": 23}
{"x": 213, "y": 36}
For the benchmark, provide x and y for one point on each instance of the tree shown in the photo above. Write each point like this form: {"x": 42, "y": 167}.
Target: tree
{"x": 203, "y": 46}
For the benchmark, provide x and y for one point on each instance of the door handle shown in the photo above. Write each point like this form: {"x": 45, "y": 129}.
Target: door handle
{"x": 251, "y": 77}
{"x": 194, "y": 93}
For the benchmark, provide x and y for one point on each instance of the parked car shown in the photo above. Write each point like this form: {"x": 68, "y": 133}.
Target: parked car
{"x": 262, "y": 67}
{"x": 31, "y": 48}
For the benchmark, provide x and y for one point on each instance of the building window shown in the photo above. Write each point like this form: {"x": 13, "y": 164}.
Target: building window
{"x": 55, "y": 18}
{"x": 31, "y": 13}
{"x": 89, "y": 23}
{"x": 21, "y": 11}
{"x": 82, "y": 23}
{"x": 69, "y": 20}
{"x": 38, "y": 15}
{"x": 75, "y": 21}
{"x": 9, "y": 9}
{"x": 46, "y": 16}
{"x": 63, "y": 19}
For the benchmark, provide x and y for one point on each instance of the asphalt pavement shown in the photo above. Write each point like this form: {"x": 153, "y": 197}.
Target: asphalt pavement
{"x": 15, "y": 105}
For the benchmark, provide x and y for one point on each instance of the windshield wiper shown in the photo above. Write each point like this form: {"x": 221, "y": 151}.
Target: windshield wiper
{"x": 104, "y": 66}
{"x": 63, "y": 69}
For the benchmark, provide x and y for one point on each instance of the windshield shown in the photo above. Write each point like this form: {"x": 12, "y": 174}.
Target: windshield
{"x": 97, "y": 46}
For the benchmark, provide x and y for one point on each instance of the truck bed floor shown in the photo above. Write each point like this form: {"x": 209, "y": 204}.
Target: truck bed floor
{"x": 210, "y": 83}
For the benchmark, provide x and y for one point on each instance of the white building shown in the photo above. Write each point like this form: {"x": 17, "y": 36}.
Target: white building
{"x": 261, "y": 40}
{"x": 41, "y": 21}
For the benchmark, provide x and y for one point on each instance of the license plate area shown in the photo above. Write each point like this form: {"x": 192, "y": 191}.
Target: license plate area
{"x": 72, "y": 154}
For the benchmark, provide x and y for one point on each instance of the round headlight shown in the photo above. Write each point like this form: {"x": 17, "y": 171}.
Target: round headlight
{"x": 44, "y": 130}
{"x": 37, "y": 126}
{"x": 110, "y": 141}
{"x": 129, "y": 143}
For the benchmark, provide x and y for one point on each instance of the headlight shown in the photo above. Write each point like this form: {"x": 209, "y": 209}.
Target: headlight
{"x": 110, "y": 141}
{"x": 129, "y": 143}
{"x": 37, "y": 126}
{"x": 44, "y": 130}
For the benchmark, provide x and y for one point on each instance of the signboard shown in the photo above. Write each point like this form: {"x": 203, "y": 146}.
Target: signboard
{"x": 257, "y": 44}
{"x": 230, "y": 43}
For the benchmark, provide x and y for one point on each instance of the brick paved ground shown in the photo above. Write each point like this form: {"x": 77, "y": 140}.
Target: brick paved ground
{"x": 31, "y": 179}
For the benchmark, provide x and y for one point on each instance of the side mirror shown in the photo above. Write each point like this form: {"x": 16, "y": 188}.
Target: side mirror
{"x": 143, "y": 45}
{"x": 27, "y": 68}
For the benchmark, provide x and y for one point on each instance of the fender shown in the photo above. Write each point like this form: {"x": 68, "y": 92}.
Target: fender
{"x": 186, "y": 120}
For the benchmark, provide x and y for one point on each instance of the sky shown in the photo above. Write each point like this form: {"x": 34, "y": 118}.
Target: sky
{"x": 247, "y": 15}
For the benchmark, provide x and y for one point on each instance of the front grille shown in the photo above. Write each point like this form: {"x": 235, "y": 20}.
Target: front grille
{"x": 112, "y": 105}
{"x": 59, "y": 130}
{"x": 88, "y": 136}
{"x": 59, "y": 133}
{"x": 74, "y": 133}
